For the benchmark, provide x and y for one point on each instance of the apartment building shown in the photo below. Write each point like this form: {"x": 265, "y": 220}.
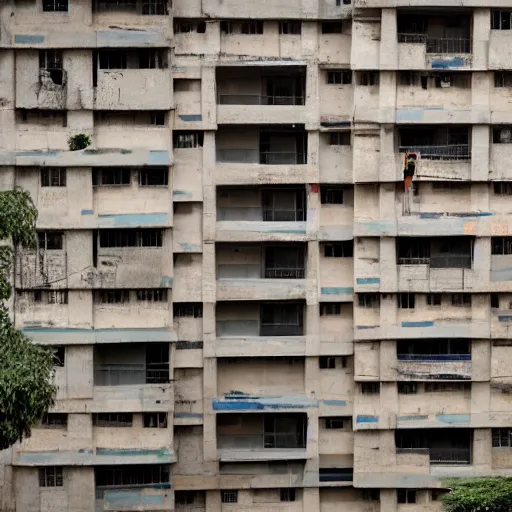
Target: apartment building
{"x": 249, "y": 308}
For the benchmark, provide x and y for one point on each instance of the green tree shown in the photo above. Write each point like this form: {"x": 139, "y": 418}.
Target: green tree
{"x": 27, "y": 390}
{"x": 479, "y": 495}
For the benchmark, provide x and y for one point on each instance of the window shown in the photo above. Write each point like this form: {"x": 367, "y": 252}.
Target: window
{"x": 152, "y": 59}
{"x": 327, "y": 363}
{"x": 112, "y": 296}
{"x": 336, "y": 423}
{"x": 330, "y": 309}
{"x": 332, "y": 27}
{"x": 290, "y": 28}
{"x": 339, "y": 77}
{"x": 55, "y": 5}
{"x": 184, "y": 497}
{"x": 57, "y": 297}
{"x": 501, "y": 245}
{"x": 51, "y": 477}
{"x": 502, "y": 79}
{"x": 131, "y": 238}
{"x": 227, "y": 27}
{"x": 437, "y": 494}
{"x": 407, "y": 388}
{"x": 112, "y": 59}
{"x": 339, "y": 250}
{"x": 106, "y": 177}
{"x": 112, "y": 419}
{"x": 448, "y": 186}
{"x": 405, "y": 496}
{"x": 371, "y": 494}
{"x": 446, "y": 387}
{"x": 154, "y": 295}
{"x": 50, "y": 59}
{"x": 154, "y": 7}
{"x": 251, "y": 27}
{"x": 339, "y": 139}
{"x": 53, "y": 177}
{"x": 50, "y": 240}
{"x": 187, "y": 140}
{"x": 461, "y": 299}
{"x": 368, "y": 78}
{"x": 501, "y": 20}
{"x": 406, "y": 300}
{"x": 59, "y": 356}
{"x": 157, "y": 118}
{"x": 502, "y": 437}
{"x": 434, "y": 299}
{"x": 154, "y": 177}
{"x": 344, "y": 2}
{"x": 182, "y": 26}
{"x": 229, "y": 496}
{"x": 368, "y": 300}
{"x": 132, "y": 475}
{"x": 503, "y": 188}
{"x": 155, "y": 420}
{"x": 409, "y": 78}
{"x": 495, "y": 300}
{"x": 188, "y": 309}
{"x": 502, "y": 135}
{"x": 331, "y": 195}
{"x": 287, "y": 494}
{"x": 55, "y": 420}
{"x": 370, "y": 388}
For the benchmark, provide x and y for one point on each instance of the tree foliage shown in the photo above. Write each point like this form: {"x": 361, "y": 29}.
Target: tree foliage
{"x": 27, "y": 390}
{"x": 479, "y": 495}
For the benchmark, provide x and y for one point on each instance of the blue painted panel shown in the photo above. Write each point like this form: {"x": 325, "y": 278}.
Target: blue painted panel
{"x": 368, "y": 326}
{"x": 166, "y": 281}
{"x": 259, "y": 404}
{"x": 409, "y": 115}
{"x": 131, "y": 498}
{"x": 135, "y": 37}
{"x": 417, "y": 324}
{"x": 453, "y": 418}
{"x": 134, "y": 220}
{"x": 28, "y": 39}
{"x": 337, "y": 403}
{"x": 191, "y": 117}
{"x": 182, "y": 193}
{"x": 505, "y": 318}
{"x": 454, "y": 62}
{"x": 191, "y": 247}
{"x": 412, "y": 418}
{"x": 87, "y": 212}
{"x": 368, "y": 280}
{"x": 159, "y": 158}
{"x": 361, "y": 418}
{"x": 336, "y": 290}
{"x": 132, "y": 451}
{"x": 297, "y": 231}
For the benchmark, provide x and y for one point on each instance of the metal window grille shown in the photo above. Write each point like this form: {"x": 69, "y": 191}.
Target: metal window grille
{"x": 112, "y": 59}
{"x": 287, "y": 494}
{"x": 131, "y": 238}
{"x": 50, "y": 240}
{"x": 103, "y": 177}
{"x": 115, "y": 5}
{"x": 502, "y": 437}
{"x": 339, "y": 250}
{"x": 368, "y": 300}
{"x": 188, "y": 140}
{"x": 251, "y": 27}
{"x": 406, "y": 300}
{"x": 154, "y": 7}
{"x": 119, "y": 476}
{"x": 55, "y": 420}
{"x": 58, "y": 297}
{"x": 112, "y": 419}
{"x": 406, "y": 496}
{"x": 55, "y": 5}
{"x": 154, "y": 177}
{"x": 503, "y": 188}
{"x": 327, "y": 363}
{"x": 53, "y": 177}
{"x": 434, "y": 299}
{"x": 339, "y": 77}
{"x": 501, "y": 245}
{"x": 290, "y": 27}
{"x": 339, "y": 139}
{"x": 331, "y": 195}
{"x": 112, "y": 296}
{"x": 370, "y": 388}
{"x": 407, "y": 388}
{"x": 155, "y": 420}
{"x": 229, "y": 496}
{"x": 501, "y": 20}
{"x": 51, "y": 476}
{"x": 154, "y": 295}
{"x": 368, "y": 78}
{"x": 330, "y": 309}
{"x": 461, "y": 299}
{"x": 188, "y": 309}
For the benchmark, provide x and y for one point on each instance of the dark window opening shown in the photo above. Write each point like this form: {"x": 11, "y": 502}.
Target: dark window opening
{"x": 287, "y": 494}
{"x": 406, "y": 300}
{"x": 59, "y": 356}
{"x": 332, "y": 27}
{"x": 187, "y": 140}
{"x": 370, "y": 388}
{"x": 50, "y": 240}
{"x": 111, "y": 176}
{"x": 110, "y": 238}
{"x": 55, "y": 5}
{"x": 339, "y": 250}
{"x": 339, "y": 139}
{"x": 51, "y": 476}
{"x": 155, "y": 420}
{"x": 405, "y": 496}
{"x": 331, "y": 195}
{"x": 407, "y": 388}
{"x": 290, "y": 27}
{"x": 330, "y": 309}
{"x": 53, "y": 177}
{"x": 188, "y": 310}
{"x": 55, "y": 420}
{"x": 343, "y": 77}
{"x": 154, "y": 177}
{"x": 119, "y": 476}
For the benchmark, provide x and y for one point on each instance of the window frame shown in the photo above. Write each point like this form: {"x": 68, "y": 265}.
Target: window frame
{"x": 330, "y": 308}
{"x": 182, "y": 309}
{"x": 229, "y": 496}
{"x": 51, "y": 476}
{"x": 370, "y": 388}
{"x": 339, "y": 77}
{"x": 58, "y": 6}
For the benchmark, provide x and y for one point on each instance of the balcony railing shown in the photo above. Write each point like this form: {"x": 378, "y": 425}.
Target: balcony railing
{"x": 258, "y": 99}
{"x": 450, "y": 456}
{"x": 284, "y": 273}
{"x": 283, "y": 215}
{"x": 130, "y": 374}
{"x": 434, "y": 357}
{"x": 281, "y": 330}
{"x": 457, "y": 261}
{"x": 255, "y": 156}
{"x": 440, "y": 152}
{"x": 438, "y": 44}
{"x": 264, "y": 441}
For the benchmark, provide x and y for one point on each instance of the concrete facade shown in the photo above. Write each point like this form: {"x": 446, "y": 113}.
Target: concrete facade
{"x": 248, "y": 311}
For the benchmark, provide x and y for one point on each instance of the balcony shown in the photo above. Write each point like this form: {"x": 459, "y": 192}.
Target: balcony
{"x": 254, "y": 95}
{"x": 434, "y": 359}
{"x": 261, "y": 272}
{"x": 259, "y": 214}
{"x": 132, "y": 79}
{"x": 244, "y": 327}
{"x": 266, "y": 437}
{"x": 258, "y": 155}
{"x": 418, "y": 41}
{"x": 140, "y": 376}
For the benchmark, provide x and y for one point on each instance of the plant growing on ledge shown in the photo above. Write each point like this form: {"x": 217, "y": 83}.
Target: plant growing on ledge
{"x": 78, "y": 142}
{"x": 478, "y": 495}
{"x": 27, "y": 390}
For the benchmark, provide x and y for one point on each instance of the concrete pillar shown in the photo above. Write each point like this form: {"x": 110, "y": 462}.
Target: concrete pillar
{"x": 480, "y": 151}
{"x": 480, "y": 36}
{"x": 389, "y": 167}
{"x": 208, "y": 98}
{"x": 388, "y": 40}
{"x": 482, "y": 451}
{"x": 387, "y": 96}
{"x": 312, "y": 96}
{"x": 388, "y": 266}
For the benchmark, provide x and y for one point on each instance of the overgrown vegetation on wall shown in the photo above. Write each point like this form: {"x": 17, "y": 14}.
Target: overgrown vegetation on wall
{"x": 26, "y": 370}
{"x": 478, "y": 495}
{"x": 78, "y": 142}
